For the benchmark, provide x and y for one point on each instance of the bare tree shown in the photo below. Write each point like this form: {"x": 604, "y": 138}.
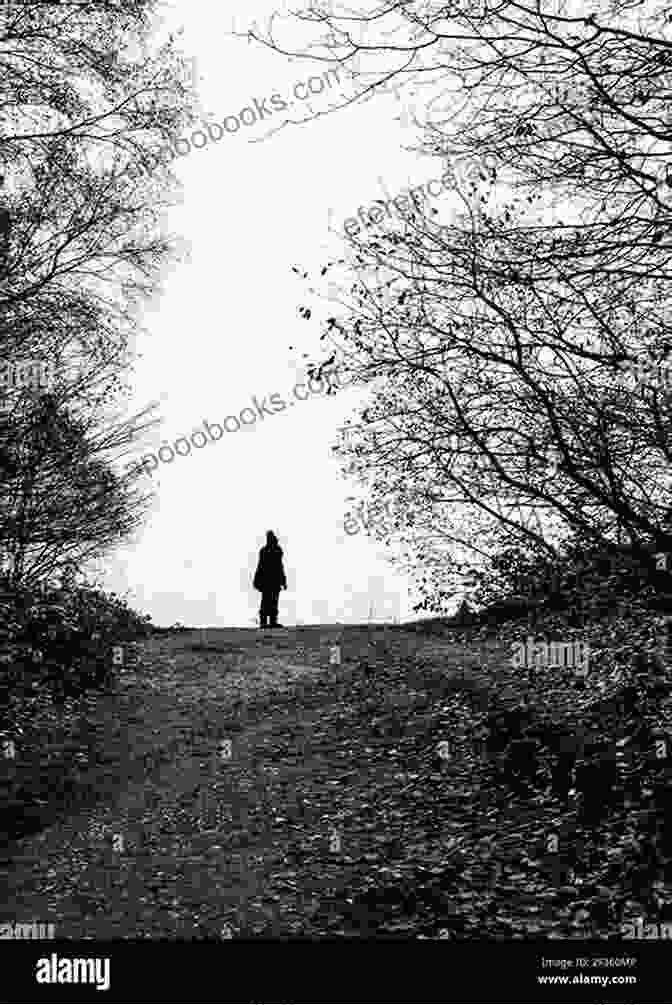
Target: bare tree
{"x": 502, "y": 338}
{"x": 85, "y": 100}
{"x": 61, "y": 501}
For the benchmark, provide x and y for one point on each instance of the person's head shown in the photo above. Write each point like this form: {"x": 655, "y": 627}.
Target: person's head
{"x": 271, "y": 539}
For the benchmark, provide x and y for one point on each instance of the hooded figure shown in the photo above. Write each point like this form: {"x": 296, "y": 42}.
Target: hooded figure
{"x": 269, "y": 579}
{"x": 5, "y": 232}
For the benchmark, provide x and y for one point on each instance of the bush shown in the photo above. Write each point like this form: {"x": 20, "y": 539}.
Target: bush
{"x": 58, "y": 643}
{"x": 581, "y": 582}
{"x": 55, "y": 647}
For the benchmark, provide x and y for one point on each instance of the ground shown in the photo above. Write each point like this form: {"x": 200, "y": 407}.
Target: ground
{"x": 237, "y": 784}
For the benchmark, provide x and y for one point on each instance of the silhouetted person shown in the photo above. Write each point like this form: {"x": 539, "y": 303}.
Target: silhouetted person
{"x": 5, "y": 233}
{"x": 269, "y": 579}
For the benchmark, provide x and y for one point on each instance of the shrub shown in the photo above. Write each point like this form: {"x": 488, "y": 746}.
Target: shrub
{"x": 59, "y": 642}
{"x": 55, "y": 645}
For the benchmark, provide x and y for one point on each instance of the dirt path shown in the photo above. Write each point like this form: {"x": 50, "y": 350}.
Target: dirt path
{"x": 185, "y": 834}
{"x": 247, "y": 788}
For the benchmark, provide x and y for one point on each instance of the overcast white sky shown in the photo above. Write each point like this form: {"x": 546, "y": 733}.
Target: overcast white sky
{"x": 221, "y": 332}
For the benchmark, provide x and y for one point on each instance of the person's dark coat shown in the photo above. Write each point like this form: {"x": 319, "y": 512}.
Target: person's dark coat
{"x": 5, "y": 232}
{"x": 270, "y": 574}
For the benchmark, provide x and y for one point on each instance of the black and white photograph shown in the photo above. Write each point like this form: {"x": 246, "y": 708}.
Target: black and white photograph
{"x": 336, "y": 500}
